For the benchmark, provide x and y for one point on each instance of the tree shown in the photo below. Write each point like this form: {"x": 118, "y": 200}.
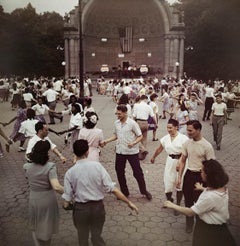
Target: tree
{"x": 29, "y": 41}
{"x": 212, "y": 28}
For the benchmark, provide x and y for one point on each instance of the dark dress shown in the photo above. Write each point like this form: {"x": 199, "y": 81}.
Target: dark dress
{"x": 43, "y": 207}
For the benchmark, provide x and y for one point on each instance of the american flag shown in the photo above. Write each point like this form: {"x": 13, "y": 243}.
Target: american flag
{"x": 126, "y": 41}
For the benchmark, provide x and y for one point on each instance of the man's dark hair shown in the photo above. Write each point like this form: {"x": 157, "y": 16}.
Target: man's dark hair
{"x": 39, "y": 154}
{"x": 195, "y": 123}
{"x": 216, "y": 176}
{"x": 39, "y": 126}
{"x": 122, "y": 108}
{"x": 173, "y": 122}
{"x": 80, "y": 147}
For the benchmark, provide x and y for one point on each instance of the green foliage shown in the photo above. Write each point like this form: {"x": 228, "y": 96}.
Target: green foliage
{"x": 28, "y": 43}
{"x": 213, "y": 29}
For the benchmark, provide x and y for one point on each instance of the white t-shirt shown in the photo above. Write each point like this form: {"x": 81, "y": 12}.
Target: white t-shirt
{"x": 212, "y": 207}
{"x": 40, "y": 109}
{"x": 51, "y": 95}
{"x": 27, "y": 97}
{"x": 219, "y": 108}
{"x": 28, "y": 128}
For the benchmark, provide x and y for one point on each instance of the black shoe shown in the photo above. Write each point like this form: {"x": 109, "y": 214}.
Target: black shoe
{"x": 148, "y": 195}
{"x": 203, "y": 119}
{"x": 51, "y": 123}
{"x": 61, "y": 119}
{"x": 218, "y": 148}
{"x": 189, "y": 229}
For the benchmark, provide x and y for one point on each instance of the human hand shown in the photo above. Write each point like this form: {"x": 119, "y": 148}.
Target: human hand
{"x": 133, "y": 207}
{"x": 63, "y": 159}
{"x": 199, "y": 186}
{"x": 168, "y": 204}
{"x": 152, "y": 160}
{"x": 178, "y": 183}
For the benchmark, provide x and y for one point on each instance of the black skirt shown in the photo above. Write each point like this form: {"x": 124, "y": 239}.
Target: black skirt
{"x": 211, "y": 235}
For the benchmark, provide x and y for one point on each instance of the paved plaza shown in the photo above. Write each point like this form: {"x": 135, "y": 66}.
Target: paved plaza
{"x": 154, "y": 226}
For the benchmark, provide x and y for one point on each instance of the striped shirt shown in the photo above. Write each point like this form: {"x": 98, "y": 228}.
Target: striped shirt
{"x": 126, "y": 133}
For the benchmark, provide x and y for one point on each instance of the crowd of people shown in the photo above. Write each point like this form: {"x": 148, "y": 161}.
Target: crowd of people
{"x": 190, "y": 165}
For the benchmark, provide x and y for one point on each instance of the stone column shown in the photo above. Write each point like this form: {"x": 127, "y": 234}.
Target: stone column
{"x": 176, "y": 53}
{"x": 71, "y": 57}
{"x": 181, "y": 56}
{"x": 167, "y": 56}
{"x": 66, "y": 55}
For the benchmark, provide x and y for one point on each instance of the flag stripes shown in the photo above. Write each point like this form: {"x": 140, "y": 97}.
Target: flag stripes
{"x": 126, "y": 37}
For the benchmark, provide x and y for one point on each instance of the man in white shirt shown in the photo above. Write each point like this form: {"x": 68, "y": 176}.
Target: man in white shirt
{"x": 51, "y": 96}
{"x": 128, "y": 135}
{"x": 41, "y": 134}
{"x": 219, "y": 110}
{"x": 141, "y": 113}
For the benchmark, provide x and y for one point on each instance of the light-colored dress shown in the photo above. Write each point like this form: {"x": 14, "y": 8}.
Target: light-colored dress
{"x": 181, "y": 117}
{"x": 43, "y": 207}
{"x": 94, "y": 137}
{"x": 172, "y": 147}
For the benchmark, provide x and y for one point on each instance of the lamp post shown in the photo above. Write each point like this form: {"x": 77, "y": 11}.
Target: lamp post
{"x": 81, "y": 62}
{"x": 177, "y": 70}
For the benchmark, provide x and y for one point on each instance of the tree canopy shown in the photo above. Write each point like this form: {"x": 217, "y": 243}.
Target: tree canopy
{"x": 29, "y": 43}
{"x": 213, "y": 30}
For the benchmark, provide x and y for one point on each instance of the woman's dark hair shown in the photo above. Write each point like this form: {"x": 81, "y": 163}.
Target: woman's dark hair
{"x": 123, "y": 99}
{"x": 39, "y": 154}
{"x": 30, "y": 113}
{"x": 183, "y": 107}
{"x": 91, "y": 120}
{"x": 216, "y": 176}
{"x": 173, "y": 122}
{"x": 80, "y": 147}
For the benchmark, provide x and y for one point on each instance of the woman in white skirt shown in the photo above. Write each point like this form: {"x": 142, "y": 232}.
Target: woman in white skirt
{"x": 172, "y": 143}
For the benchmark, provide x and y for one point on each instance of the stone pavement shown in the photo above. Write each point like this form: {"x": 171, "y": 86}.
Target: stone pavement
{"x": 154, "y": 225}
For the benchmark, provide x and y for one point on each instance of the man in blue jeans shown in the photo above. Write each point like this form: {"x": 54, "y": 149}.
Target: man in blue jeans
{"x": 128, "y": 135}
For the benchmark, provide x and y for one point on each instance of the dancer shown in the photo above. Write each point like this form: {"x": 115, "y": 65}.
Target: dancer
{"x": 172, "y": 143}
{"x": 211, "y": 208}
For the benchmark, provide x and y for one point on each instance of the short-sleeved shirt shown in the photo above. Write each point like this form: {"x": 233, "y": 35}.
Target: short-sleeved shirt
{"x": 34, "y": 140}
{"x": 197, "y": 152}
{"x": 126, "y": 133}
{"x": 40, "y": 109}
{"x": 219, "y": 108}
{"x": 212, "y": 207}
{"x": 87, "y": 181}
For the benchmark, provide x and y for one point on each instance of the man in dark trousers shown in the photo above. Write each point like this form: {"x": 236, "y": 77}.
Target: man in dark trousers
{"x": 85, "y": 184}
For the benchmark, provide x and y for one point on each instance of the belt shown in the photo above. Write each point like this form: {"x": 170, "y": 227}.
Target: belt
{"x": 175, "y": 156}
{"x": 194, "y": 171}
{"x": 218, "y": 115}
{"x": 89, "y": 202}
{"x": 141, "y": 120}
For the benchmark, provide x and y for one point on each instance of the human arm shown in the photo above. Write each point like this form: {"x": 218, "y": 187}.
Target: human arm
{"x": 157, "y": 152}
{"x": 136, "y": 141}
{"x": 56, "y": 186}
{"x": 113, "y": 138}
{"x": 61, "y": 157}
{"x": 123, "y": 198}
{"x": 184, "y": 210}
{"x": 181, "y": 165}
